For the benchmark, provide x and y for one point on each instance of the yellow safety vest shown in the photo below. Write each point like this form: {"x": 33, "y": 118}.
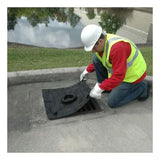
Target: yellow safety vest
{"x": 136, "y": 65}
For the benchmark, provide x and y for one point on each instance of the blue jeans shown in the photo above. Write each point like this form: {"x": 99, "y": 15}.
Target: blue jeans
{"x": 123, "y": 93}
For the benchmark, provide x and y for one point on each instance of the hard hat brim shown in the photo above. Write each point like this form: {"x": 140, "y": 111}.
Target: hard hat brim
{"x": 89, "y": 48}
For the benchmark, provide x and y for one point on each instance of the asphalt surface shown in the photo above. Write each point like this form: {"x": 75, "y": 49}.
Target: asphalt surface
{"x": 125, "y": 129}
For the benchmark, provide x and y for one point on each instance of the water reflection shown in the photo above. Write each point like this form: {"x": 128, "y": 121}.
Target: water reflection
{"x": 37, "y": 16}
{"x": 57, "y": 34}
{"x": 59, "y": 27}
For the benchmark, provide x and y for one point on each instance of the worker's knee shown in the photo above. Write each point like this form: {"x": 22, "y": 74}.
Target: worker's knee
{"x": 112, "y": 103}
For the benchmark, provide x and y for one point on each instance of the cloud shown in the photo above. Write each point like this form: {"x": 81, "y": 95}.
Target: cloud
{"x": 58, "y": 35}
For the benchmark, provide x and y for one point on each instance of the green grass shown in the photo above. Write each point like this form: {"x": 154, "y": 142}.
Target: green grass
{"x": 31, "y": 58}
{"x": 43, "y": 58}
{"x": 148, "y": 56}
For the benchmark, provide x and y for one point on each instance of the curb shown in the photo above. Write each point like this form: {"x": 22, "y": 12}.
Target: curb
{"x": 44, "y": 75}
{"x": 48, "y": 75}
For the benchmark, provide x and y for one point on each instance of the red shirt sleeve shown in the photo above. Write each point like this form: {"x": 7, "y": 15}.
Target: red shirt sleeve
{"x": 90, "y": 68}
{"x": 118, "y": 57}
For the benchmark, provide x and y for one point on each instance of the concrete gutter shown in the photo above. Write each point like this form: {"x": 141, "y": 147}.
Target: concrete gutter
{"x": 48, "y": 75}
{"x": 44, "y": 75}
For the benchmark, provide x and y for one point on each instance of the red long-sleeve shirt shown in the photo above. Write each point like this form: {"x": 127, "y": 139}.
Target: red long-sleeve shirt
{"x": 118, "y": 57}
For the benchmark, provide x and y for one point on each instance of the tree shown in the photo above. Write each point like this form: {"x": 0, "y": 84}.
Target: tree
{"x": 111, "y": 23}
{"x": 36, "y": 16}
{"x": 111, "y": 19}
{"x": 90, "y": 13}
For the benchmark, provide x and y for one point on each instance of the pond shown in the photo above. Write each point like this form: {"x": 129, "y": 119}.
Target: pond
{"x": 56, "y": 27}
{"x": 56, "y": 34}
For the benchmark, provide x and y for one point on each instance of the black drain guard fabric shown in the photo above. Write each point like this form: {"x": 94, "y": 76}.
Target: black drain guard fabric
{"x": 53, "y": 99}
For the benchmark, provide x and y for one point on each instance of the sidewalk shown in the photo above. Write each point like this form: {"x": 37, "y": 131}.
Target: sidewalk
{"x": 125, "y": 129}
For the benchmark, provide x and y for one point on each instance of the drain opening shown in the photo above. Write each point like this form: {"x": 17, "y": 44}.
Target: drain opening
{"x": 91, "y": 107}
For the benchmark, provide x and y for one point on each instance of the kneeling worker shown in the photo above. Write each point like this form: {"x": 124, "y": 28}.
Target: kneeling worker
{"x": 119, "y": 66}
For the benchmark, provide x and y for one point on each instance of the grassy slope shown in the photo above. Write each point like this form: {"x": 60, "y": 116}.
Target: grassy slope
{"x": 30, "y": 58}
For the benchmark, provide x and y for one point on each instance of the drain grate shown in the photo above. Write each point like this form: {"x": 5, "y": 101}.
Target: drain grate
{"x": 91, "y": 107}
{"x": 68, "y": 101}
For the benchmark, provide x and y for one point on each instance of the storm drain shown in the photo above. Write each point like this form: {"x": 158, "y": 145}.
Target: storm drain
{"x": 69, "y": 101}
{"x": 91, "y": 107}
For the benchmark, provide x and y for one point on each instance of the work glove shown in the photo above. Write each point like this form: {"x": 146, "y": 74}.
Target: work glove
{"x": 96, "y": 92}
{"x": 83, "y": 75}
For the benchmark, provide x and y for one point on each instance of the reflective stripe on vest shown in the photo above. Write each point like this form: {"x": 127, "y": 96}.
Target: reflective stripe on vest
{"x": 129, "y": 64}
{"x": 136, "y": 65}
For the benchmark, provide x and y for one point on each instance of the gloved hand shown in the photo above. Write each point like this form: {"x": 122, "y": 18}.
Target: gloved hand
{"x": 96, "y": 92}
{"x": 83, "y": 75}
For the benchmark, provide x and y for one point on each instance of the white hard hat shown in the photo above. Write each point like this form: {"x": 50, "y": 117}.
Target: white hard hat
{"x": 90, "y": 35}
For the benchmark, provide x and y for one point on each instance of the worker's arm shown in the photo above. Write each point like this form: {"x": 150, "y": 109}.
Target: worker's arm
{"x": 90, "y": 68}
{"x": 118, "y": 57}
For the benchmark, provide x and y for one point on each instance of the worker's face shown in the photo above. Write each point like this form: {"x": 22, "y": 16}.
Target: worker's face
{"x": 99, "y": 46}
